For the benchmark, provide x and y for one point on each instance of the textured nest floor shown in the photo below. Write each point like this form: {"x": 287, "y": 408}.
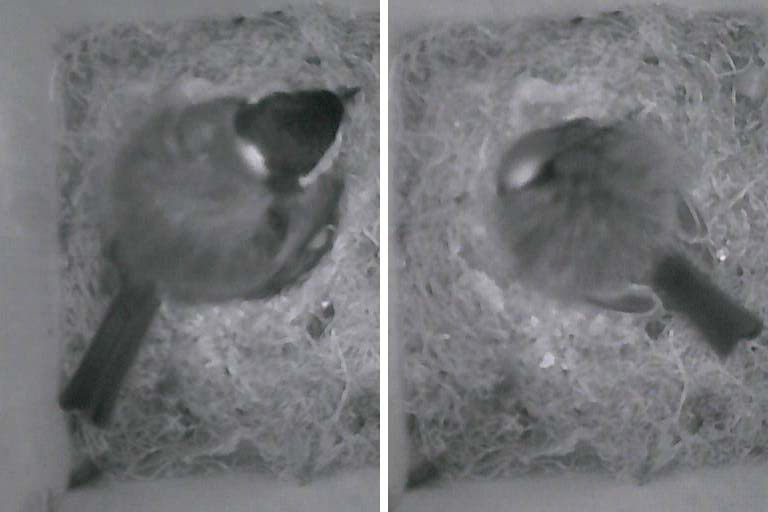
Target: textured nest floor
{"x": 287, "y": 385}
{"x": 502, "y": 381}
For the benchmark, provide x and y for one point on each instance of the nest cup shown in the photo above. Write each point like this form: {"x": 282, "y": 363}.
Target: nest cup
{"x": 39, "y": 336}
{"x": 502, "y": 381}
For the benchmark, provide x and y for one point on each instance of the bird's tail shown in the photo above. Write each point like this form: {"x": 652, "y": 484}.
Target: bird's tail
{"x": 94, "y": 386}
{"x": 721, "y": 320}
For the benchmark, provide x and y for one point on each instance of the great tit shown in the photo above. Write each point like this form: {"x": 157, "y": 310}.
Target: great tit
{"x": 212, "y": 199}
{"x": 601, "y": 213}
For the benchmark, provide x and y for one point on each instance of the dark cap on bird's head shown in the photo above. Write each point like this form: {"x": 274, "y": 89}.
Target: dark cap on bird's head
{"x": 292, "y": 131}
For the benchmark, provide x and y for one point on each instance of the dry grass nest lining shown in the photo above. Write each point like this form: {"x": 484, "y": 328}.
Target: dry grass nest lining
{"x": 502, "y": 381}
{"x": 284, "y": 385}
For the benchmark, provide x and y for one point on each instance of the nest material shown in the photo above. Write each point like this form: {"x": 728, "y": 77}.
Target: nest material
{"x": 502, "y": 380}
{"x": 287, "y": 385}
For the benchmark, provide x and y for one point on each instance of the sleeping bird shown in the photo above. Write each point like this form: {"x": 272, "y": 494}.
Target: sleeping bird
{"x": 600, "y": 213}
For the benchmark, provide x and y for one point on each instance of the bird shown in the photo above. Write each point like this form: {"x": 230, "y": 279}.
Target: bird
{"x": 213, "y": 198}
{"x": 601, "y": 213}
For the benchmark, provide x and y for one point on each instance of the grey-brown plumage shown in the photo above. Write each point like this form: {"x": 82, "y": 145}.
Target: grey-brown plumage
{"x": 601, "y": 214}
{"x": 192, "y": 218}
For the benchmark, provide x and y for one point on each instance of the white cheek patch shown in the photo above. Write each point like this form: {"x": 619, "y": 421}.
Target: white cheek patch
{"x": 321, "y": 238}
{"x": 253, "y": 158}
{"x": 325, "y": 163}
{"x": 522, "y": 173}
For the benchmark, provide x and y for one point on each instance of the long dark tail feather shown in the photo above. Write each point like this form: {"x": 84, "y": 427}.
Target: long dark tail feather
{"x": 721, "y": 320}
{"x": 95, "y": 385}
